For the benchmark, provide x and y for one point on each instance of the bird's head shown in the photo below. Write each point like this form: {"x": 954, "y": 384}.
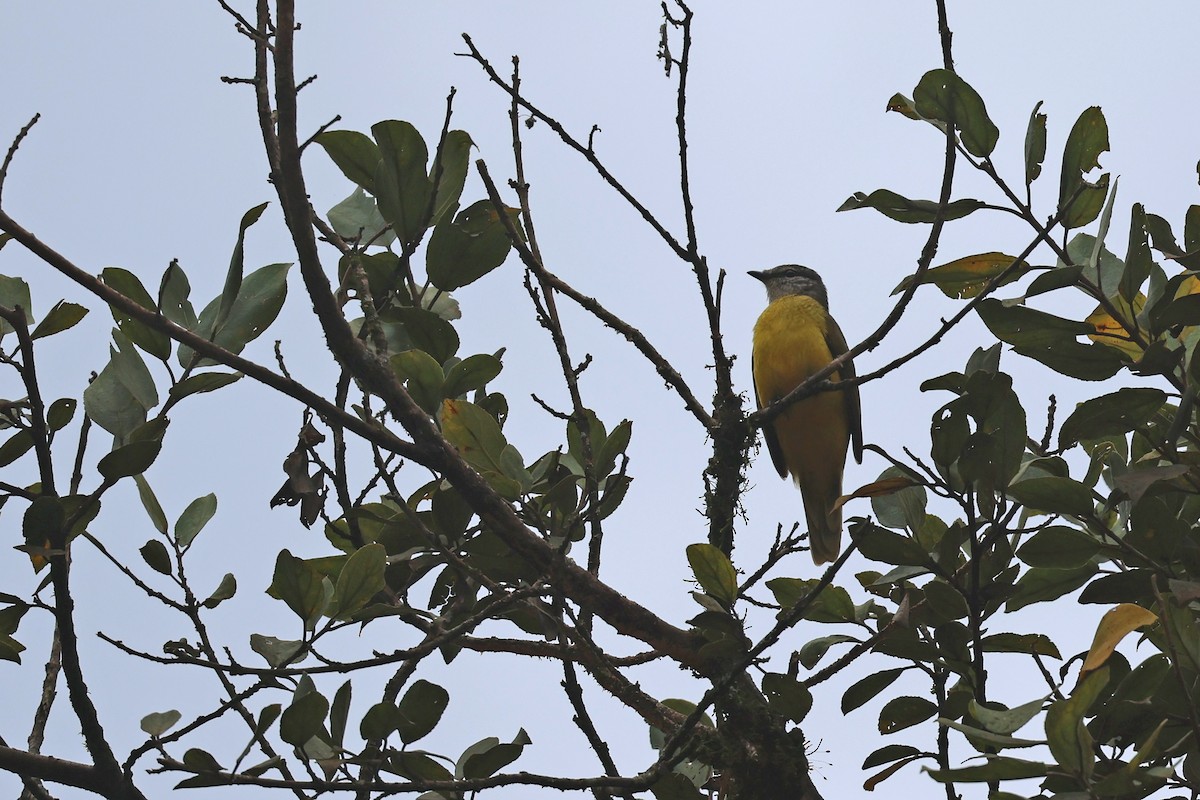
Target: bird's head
{"x": 793, "y": 279}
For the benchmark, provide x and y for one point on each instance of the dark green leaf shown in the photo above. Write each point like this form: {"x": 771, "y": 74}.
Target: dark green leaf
{"x": 153, "y": 342}
{"x": 879, "y": 544}
{"x": 450, "y": 172}
{"x": 787, "y": 696}
{"x": 15, "y": 446}
{"x": 159, "y": 722}
{"x": 1053, "y": 495}
{"x": 868, "y": 688}
{"x": 150, "y": 503}
{"x": 402, "y": 187}
{"x": 1058, "y": 547}
{"x": 1050, "y": 340}
{"x": 420, "y": 710}
{"x": 302, "y": 720}
{"x": 463, "y": 251}
{"x": 360, "y": 579}
{"x": 1133, "y": 586}
{"x": 904, "y": 712}
{"x": 902, "y": 209}
{"x": 997, "y": 768}
{"x": 60, "y": 413}
{"x": 357, "y": 219}
{"x": 379, "y": 722}
{"x": 1031, "y": 643}
{"x": 14, "y": 292}
{"x": 300, "y": 586}
{"x": 426, "y": 331}
{"x": 354, "y": 154}
{"x": 1120, "y": 412}
{"x": 713, "y": 572}
{"x": 132, "y": 459}
{"x": 832, "y": 604}
{"x": 64, "y": 315}
{"x": 226, "y": 589}
{"x": 202, "y": 382}
{"x": 155, "y": 554}
{"x": 1039, "y": 585}
{"x": 259, "y": 299}
{"x": 424, "y": 376}
{"x": 813, "y": 651}
{"x": 173, "y": 293}
{"x": 470, "y": 374}
{"x": 487, "y": 757}
{"x": 277, "y": 652}
{"x": 118, "y": 399}
{"x": 942, "y": 95}
{"x": 339, "y": 712}
{"x": 194, "y": 518}
{"x": 1079, "y": 202}
{"x": 1035, "y": 144}
{"x": 1069, "y": 740}
{"x": 201, "y": 760}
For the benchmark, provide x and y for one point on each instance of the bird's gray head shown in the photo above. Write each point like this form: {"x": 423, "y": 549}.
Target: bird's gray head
{"x": 791, "y": 279}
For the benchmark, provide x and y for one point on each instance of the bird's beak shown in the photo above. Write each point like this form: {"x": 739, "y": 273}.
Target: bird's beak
{"x": 756, "y": 274}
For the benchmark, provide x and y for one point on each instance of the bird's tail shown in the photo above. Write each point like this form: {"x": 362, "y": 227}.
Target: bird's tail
{"x": 824, "y": 526}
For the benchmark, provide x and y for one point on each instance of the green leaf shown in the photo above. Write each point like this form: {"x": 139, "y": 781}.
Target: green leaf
{"x": 132, "y": 459}
{"x": 201, "y": 760}
{"x": 159, "y": 722}
{"x": 118, "y": 399}
{"x": 888, "y": 547}
{"x": 471, "y": 374}
{"x": 301, "y": 586}
{"x": 226, "y": 589}
{"x": 477, "y": 437}
{"x": 904, "y": 712}
{"x": 420, "y": 710}
{"x": 201, "y": 382}
{"x": 966, "y": 277}
{"x": 463, "y": 251}
{"x": 889, "y": 753}
{"x": 901, "y": 209}
{"x": 787, "y": 696}
{"x": 259, "y": 299}
{"x": 15, "y": 446}
{"x": 488, "y": 756}
{"x": 813, "y": 651}
{"x": 339, "y": 712}
{"x": 194, "y": 518}
{"x": 1005, "y": 721}
{"x": 14, "y": 292}
{"x": 425, "y": 330}
{"x": 1058, "y": 547}
{"x": 150, "y": 503}
{"x": 424, "y": 376}
{"x": 1069, "y": 740}
{"x": 832, "y": 604}
{"x": 357, "y": 219}
{"x": 452, "y": 161}
{"x": 153, "y": 342}
{"x": 360, "y": 579}
{"x": 354, "y": 154}
{"x": 868, "y": 688}
{"x": 1120, "y": 412}
{"x": 997, "y": 768}
{"x": 60, "y": 413}
{"x": 302, "y": 720}
{"x": 942, "y": 95}
{"x": 64, "y": 315}
{"x": 1087, "y": 140}
{"x": 1039, "y": 585}
{"x": 173, "y": 293}
{"x": 402, "y": 187}
{"x": 233, "y": 276}
{"x": 1053, "y": 495}
{"x": 1031, "y": 643}
{"x": 155, "y": 554}
{"x": 276, "y": 652}
{"x": 1050, "y": 340}
{"x": 379, "y": 722}
{"x": 1035, "y": 144}
{"x": 713, "y": 572}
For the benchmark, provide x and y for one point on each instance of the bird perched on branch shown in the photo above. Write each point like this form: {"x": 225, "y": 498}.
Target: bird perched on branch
{"x": 794, "y": 338}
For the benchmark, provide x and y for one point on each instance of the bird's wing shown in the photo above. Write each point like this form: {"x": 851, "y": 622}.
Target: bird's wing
{"x": 768, "y": 432}
{"x": 836, "y": 341}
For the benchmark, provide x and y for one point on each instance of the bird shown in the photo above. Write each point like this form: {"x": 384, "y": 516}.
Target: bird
{"x": 794, "y": 338}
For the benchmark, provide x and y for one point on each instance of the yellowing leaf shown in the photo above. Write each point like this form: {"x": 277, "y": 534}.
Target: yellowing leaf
{"x": 966, "y": 277}
{"x": 1114, "y": 626}
{"x": 1111, "y": 332}
{"x": 880, "y": 488}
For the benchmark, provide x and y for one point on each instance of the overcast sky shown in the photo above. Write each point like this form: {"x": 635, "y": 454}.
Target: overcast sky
{"x": 143, "y": 155}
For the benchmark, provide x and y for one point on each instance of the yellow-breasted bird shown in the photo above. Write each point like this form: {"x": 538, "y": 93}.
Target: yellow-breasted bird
{"x": 794, "y": 338}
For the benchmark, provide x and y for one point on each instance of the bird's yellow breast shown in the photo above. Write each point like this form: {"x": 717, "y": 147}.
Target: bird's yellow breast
{"x": 789, "y": 346}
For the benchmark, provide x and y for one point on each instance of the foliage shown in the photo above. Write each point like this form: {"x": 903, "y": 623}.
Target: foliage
{"x": 501, "y": 551}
